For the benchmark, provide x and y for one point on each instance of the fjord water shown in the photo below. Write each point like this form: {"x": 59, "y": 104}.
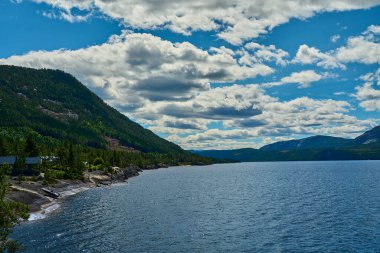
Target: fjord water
{"x": 247, "y": 207}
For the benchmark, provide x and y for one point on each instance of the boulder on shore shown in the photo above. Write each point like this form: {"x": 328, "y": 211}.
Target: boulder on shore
{"x": 131, "y": 171}
{"x": 125, "y": 173}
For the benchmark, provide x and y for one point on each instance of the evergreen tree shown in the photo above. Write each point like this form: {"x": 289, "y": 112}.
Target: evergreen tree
{"x": 72, "y": 157}
{"x": 11, "y": 213}
{"x": 31, "y": 148}
{"x": 3, "y": 147}
{"x": 63, "y": 156}
{"x": 19, "y": 168}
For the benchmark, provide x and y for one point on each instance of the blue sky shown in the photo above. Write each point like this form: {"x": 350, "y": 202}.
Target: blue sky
{"x": 215, "y": 75}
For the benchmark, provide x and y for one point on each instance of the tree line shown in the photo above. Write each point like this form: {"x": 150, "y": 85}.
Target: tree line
{"x": 69, "y": 161}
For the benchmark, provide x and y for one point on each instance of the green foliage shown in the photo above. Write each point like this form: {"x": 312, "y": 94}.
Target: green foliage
{"x": 3, "y": 146}
{"x": 11, "y": 213}
{"x": 50, "y": 113}
{"x": 56, "y": 106}
{"x": 49, "y": 177}
{"x": 19, "y": 168}
{"x": 98, "y": 161}
{"x": 31, "y": 148}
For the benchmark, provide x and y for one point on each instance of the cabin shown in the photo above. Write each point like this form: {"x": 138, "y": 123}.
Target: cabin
{"x": 30, "y": 163}
{"x": 10, "y": 160}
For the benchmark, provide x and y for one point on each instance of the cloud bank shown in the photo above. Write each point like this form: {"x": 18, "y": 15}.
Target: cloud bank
{"x": 233, "y": 21}
{"x": 193, "y": 95}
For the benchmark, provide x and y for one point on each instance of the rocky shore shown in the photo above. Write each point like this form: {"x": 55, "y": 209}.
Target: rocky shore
{"x": 41, "y": 204}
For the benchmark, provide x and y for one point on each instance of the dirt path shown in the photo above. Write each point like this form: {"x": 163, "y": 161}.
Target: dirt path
{"x": 27, "y": 190}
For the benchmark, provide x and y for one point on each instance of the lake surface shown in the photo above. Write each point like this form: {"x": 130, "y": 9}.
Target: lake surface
{"x": 247, "y": 207}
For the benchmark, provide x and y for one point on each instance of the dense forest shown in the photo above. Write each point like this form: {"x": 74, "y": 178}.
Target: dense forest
{"x": 49, "y": 113}
{"x": 54, "y": 104}
{"x": 66, "y": 160}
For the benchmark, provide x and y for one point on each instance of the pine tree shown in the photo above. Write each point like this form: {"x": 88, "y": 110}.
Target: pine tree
{"x": 31, "y": 148}
{"x": 3, "y": 147}
{"x": 11, "y": 213}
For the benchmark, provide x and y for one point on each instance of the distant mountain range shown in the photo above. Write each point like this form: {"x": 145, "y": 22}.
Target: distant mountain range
{"x": 364, "y": 147}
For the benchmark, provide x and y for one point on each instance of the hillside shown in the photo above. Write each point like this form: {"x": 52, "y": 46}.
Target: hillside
{"x": 236, "y": 154}
{"x": 57, "y": 106}
{"x": 371, "y": 136}
{"x": 310, "y": 142}
{"x": 364, "y": 147}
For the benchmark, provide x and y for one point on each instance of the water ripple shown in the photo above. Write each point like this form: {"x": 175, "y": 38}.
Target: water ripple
{"x": 249, "y": 207}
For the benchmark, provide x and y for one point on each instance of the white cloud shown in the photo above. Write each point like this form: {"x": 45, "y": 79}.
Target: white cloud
{"x": 374, "y": 29}
{"x": 128, "y": 69}
{"x": 303, "y": 78}
{"x": 171, "y": 125}
{"x": 66, "y": 15}
{"x": 262, "y": 53}
{"x": 222, "y": 103}
{"x": 68, "y": 4}
{"x": 161, "y": 84}
{"x": 312, "y": 55}
{"x": 222, "y": 50}
{"x": 361, "y": 49}
{"x": 166, "y": 86}
{"x": 371, "y": 105}
{"x": 294, "y": 118}
{"x": 335, "y": 38}
{"x": 249, "y": 115}
{"x": 234, "y": 21}
{"x": 372, "y": 77}
{"x": 368, "y": 96}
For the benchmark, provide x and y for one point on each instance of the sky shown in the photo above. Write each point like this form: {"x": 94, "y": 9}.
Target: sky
{"x": 213, "y": 74}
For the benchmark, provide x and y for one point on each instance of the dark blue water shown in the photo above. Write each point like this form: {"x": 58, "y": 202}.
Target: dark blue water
{"x": 248, "y": 207}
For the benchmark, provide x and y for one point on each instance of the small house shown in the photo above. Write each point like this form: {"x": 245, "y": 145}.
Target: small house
{"x": 30, "y": 163}
{"x": 10, "y": 160}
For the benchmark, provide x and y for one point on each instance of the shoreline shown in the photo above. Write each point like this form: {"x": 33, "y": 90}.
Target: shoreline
{"x": 41, "y": 205}
{"x": 55, "y": 204}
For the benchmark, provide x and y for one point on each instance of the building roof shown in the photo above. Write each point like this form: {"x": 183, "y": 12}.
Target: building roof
{"x": 11, "y": 160}
{"x": 33, "y": 160}
{"x": 8, "y": 160}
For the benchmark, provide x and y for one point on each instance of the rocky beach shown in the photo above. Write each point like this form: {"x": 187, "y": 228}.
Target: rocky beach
{"x": 31, "y": 193}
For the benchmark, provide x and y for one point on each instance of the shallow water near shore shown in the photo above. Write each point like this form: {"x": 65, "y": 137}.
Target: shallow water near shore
{"x": 247, "y": 207}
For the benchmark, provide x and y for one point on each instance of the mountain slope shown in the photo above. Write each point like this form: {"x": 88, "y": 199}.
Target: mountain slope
{"x": 315, "y": 148}
{"x": 370, "y": 137}
{"x": 57, "y": 105}
{"x": 236, "y": 154}
{"x": 310, "y": 142}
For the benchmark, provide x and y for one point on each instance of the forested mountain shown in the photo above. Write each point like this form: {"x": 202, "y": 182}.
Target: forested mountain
{"x": 310, "y": 142}
{"x": 371, "y": 136}
{"x": 364, "y": 147}
{"x": 55, "y": 105}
